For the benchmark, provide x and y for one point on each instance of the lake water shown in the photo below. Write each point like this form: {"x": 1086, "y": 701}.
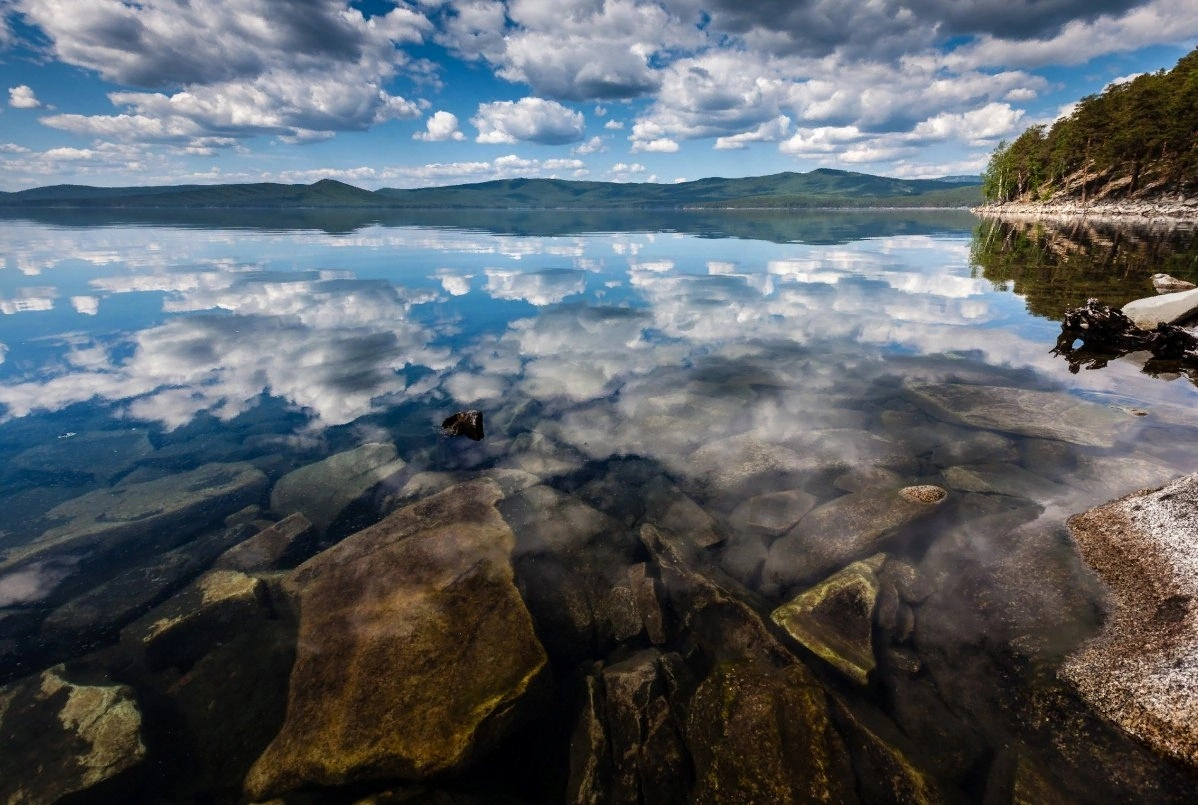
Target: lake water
{"x": 737, "y": 372}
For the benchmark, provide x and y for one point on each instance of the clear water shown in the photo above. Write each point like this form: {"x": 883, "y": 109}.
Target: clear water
{"x": 606, "y": 349}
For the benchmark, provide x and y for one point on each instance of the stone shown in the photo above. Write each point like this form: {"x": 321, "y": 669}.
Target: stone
{"x": 1169, "y": 308}
{"x": 760, "y": 734}
{"x": 731, "y": 466}
{"x": 1164, "y": 283}
{"x": 844, "y": 528}
{"x": 325, "y": 489}
{"x": 648, "y": 602}
{"x": 667, "y": 506}
{"x": 834, "y": 619}
{"x": 206, "y": 612}
{"x": 882, "y": 759}
{"x": 861, "y": 479}
{"x": 619, "y": 615}
{"x": 415, "y": 652}
{"x": 59, "y": 738}
{"x": 1003, "y": 479}
{"x": 104, "y": 455}
{"x": 645, "y": 728}
{"x": 975, "y": 447}
{"x": 282, "y": 545}
{"x": 1026, "y": 412}
{"x": 144, "y": 517}
{"x": 773, "y": 514}
{"x": 1141, "y": 670}
{"x": 98, "y": 614}
{"x": 545, "y": 519}
{"x": 590, "y": 754}
{"x": 539, "y": 455}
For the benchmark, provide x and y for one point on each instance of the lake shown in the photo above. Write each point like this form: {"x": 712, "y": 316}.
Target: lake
{"x": 768, "y": 506}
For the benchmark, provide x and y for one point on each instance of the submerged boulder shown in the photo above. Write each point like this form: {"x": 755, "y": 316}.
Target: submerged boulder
{"x": 1041, "y": 414}
{"x": 415, "y": 653}
{"x": 1141, "y": 671}
{"x": 58, "y": 737}
{"x": 325, "y": 489}
{"x": 844, "y": 528}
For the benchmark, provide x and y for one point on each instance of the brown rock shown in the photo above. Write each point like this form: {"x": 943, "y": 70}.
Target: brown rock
{"x": 415, "y": 651}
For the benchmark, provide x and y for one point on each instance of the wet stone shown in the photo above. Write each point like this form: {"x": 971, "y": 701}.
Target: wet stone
{"x": 1003, "y": 479}
{"x": 669, "y": 507}
{"x": 861, "y": 479}
{"x": 834, "y": 619}
{"x": 59, "y": 737}
{"x": 648, "y": 602}
{"x": 835, "y": 533}
{"x": 282, "y": 545}
{"x": 974, "y": 448}
{"x": 773, "y": 514}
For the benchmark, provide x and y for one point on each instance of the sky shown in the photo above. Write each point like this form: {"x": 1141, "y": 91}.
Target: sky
{"x": 434, "y": 92}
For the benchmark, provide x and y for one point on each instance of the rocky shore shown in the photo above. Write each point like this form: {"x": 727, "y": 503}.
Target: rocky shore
{"x": 1158, "y": 210}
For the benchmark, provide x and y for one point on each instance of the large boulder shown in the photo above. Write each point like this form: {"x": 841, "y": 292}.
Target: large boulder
{"x": 844, "y": 528}
{"x": 1168, "y": 308}
{"x": 1141, "y": 671}
{"x": 58, "y": 737}
{"x": 415, "y": 653}
{"x": 325, "y": 489}
{"x": 1040, "y": 414}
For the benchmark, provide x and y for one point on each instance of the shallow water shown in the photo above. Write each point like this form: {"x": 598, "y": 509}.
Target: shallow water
{"x": 720, "y": 359}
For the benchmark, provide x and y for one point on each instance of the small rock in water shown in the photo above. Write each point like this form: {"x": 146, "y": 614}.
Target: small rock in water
{"x": 465, "y": 423}
{"x": 1163, "y": 283}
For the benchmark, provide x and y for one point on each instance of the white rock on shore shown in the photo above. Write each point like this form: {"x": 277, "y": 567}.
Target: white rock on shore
{"x": 1168, "y": 308}
{"x": 1141, "y": 671}
{"x": 1159, "y": 210}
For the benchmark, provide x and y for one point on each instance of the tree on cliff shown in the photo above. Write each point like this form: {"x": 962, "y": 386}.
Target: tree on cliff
{"x": 1137, "y": 138}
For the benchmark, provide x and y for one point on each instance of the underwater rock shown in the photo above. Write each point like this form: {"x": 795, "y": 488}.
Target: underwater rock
{"x": 1169, "y": 308}
{"x": 206, "y": 612}
{"x": 773, "y": 514}
{"x": 104, "y": 455}
{"x": 145, "y": 517}
{"x": 590, "y": 753}
{"x": 325, "y": 489}
{"x": 282, "y": 545}
{"x": 97, "y": 614}
{"x": 667, "y": 506}
{"x": 763, "y": 734}
{"x": 60, "y": 738}
{"x": 1141, "y": 671}
{"x": 415, "y": 652}
{"x": 835, "y": 618}
{"x": 882, "y": 758}
{"x": 1042, "y": 414}
{"x": 846, "y": 527}
{"x": 648, "y": 602}
{"x": 465, "y": 423}
{"x": 1164, "y": 283}
{"x": 737, "y": 464}
{"x": 1003, "y": 479}
{"x": 644, "y": 726}
{"x": 861, "y": 479}
{"x": 975, "y": 447}
{"x": 547, "y": 520}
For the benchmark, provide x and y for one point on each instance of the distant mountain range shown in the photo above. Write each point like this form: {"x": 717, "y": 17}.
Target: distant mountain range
{"x": 822, "y": 188}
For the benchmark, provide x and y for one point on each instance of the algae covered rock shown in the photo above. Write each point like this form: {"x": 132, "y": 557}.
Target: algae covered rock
{"x": 761, "y": 734}
{"x": 415, "y": 653}
{"x": 835, "y": 618}
{"x": 59, "y": 738}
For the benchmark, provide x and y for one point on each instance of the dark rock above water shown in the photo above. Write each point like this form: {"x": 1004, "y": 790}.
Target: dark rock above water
{"x": 415, "y": 652}
{"x": 1142, "y": 670}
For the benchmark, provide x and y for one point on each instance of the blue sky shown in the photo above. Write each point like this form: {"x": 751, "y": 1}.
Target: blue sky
{"x": 428, "y": 92}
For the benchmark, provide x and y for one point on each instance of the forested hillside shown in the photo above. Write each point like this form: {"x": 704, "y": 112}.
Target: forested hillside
{"x": 1135, "y": 140}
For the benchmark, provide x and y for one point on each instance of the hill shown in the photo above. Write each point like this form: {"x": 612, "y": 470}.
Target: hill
{"x": 819, "y": 188}
{"x": 1137, "y": 140}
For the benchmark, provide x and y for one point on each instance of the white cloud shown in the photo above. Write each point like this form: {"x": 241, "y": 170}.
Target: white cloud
{"x": 613, "y": 125}
{"x": 441, "y": 126}
{"x": 22, "y": 97}
{"x": 529, "y": 119}
{"x": 770, "y": 131}
{"x": 592, "y": 146}
{"x": 660, "y": 145}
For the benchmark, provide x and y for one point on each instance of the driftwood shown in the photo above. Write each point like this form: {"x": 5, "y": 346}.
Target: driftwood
{"x": 1106, "y": 332}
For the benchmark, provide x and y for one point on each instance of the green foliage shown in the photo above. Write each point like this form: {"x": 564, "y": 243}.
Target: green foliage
{"x": 1136, "y": 137}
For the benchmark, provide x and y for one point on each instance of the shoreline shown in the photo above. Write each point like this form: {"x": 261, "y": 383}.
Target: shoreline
{"x": 1157, "y": 211}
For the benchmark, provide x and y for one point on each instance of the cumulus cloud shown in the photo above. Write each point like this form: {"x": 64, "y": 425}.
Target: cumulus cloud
{"x": 441, "y": 126}
{"x": 535, "y": 120}
{"x": 591, "y": 146}
{"x": 22, "y": 97}
{"x": 293, "y": 68}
